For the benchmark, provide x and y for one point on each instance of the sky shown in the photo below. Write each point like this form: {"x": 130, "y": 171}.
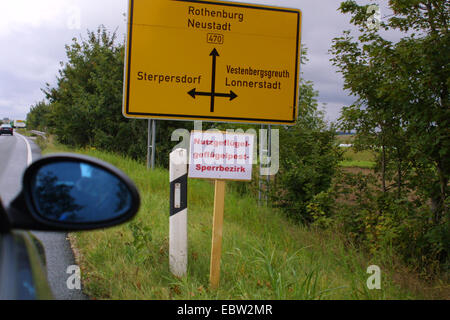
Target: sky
{"x": 33, "y": 35}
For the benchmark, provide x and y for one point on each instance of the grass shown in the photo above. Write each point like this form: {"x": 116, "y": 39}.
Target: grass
{"x": 357, "y": 164}
{"x": 352, "y": 158}
{"x": 264, "y": 255}
{"x": 361, "y": 159}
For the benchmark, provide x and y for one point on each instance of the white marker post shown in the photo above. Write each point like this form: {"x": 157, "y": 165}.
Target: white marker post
{"x": 178, "y": 253}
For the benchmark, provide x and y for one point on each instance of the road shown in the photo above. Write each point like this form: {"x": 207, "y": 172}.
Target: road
{"x": 16, "y": 152}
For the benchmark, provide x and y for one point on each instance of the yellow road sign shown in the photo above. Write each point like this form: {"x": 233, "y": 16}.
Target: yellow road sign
{"x": 213, "y": 61}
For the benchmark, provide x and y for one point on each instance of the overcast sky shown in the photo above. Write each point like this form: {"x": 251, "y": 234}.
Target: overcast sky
{"x": 33, "y": 34}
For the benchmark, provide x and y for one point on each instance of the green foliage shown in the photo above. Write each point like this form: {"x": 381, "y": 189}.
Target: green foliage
{"x": 319, "y": 208}
{"x": 309, "y": 158}
{"x": 402, "y": 114}
{"x": 383, "y": 222}
{"x": 39, "y": 117}
{"x": 141, "y": 235}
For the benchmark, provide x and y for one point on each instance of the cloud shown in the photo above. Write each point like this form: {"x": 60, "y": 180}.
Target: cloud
{"x": 33, "y": 35}
{"x": 15, "y": 105}
{"x": 21, "y": 15}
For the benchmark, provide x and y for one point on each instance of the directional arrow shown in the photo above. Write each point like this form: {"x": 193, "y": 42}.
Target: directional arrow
{"x": 214, "y": 55}
{"x": 194, "y": 93}
{"x": 213, "y": 94}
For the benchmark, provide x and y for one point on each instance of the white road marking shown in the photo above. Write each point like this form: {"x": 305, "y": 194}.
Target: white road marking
{"x": 29, "y": 156}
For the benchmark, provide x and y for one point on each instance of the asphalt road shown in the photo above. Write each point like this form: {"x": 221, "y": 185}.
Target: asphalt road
{"x": 15, "y": 155}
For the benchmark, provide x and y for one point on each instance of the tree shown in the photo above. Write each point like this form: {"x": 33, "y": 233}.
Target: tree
{"x": 403, "y": 85}
{"x": 309, "y": 157}
{"x": 378, "y": 127}
{"x": 86, "y": 103}
{"x": 85, "y": 106}
{"x": 39, "y": 116}
{"x": 402, "y": 109}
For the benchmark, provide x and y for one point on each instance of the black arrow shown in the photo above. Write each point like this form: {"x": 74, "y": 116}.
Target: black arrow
{"x": 213, "y": 94}
{"x": 214, "y": 55}
{"x": 230, "y": 95}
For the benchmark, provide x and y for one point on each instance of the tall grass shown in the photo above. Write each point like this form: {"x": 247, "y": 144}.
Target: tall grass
{"x": 264, "y": 255}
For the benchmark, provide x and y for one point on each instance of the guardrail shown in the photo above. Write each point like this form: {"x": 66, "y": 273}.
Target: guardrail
{"x": 39, "y": 133}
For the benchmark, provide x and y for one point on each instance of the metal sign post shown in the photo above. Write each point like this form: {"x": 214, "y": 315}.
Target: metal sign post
{"x": 152, "y": 158}
{"x": 269, "y": 160}
{"x": 265, "y": 148}
{"x": 151, "y": 144}
{"x": 262, "y": 137}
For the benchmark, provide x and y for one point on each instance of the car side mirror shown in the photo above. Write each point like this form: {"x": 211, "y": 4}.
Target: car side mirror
{"x": 73, "y": 192}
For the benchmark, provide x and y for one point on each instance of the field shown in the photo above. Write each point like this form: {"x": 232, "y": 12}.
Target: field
{"x": 264, "y": 255}
{"x": 353, "y": 159}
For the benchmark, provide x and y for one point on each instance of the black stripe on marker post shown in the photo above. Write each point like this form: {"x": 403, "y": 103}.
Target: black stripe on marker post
{"x": 183, "y": 194}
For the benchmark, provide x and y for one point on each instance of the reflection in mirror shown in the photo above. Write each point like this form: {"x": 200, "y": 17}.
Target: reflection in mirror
{"x": 79, "y": 192}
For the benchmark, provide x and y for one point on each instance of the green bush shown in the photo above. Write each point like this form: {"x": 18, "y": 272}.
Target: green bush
{"x": 382, "y": 222}
{"x": 309, "y": 159}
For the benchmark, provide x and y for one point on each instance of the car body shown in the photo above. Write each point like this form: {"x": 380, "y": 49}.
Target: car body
{"x": 68, "y": 178}
{"x": 23, "y": 272}
{"x": 6, "y": 129}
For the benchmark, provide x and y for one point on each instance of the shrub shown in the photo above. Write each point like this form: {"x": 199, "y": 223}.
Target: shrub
{"x": 309, "y": 159}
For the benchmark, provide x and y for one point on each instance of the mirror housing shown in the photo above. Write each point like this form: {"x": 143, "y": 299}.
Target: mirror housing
{"x": 33, "y": 208}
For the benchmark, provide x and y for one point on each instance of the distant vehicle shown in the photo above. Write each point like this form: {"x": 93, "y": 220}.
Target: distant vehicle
{"x": 19, "y": 124}
{"x": 6, "y": 129}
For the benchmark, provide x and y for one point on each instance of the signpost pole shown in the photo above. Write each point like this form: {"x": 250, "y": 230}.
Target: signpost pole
{"x": 152, "y": 158}
{"x": 216, "y": 247}
{"x": 151, "y": 143}
{"x": 149, "y": 139}
{"x": 264, "y": 160}
{"x": 269, "y": 161}
{"x": 260, "y": 164}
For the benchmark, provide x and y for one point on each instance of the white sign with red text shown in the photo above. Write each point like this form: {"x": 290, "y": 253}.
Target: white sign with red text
{"x": 221, "y": 155}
